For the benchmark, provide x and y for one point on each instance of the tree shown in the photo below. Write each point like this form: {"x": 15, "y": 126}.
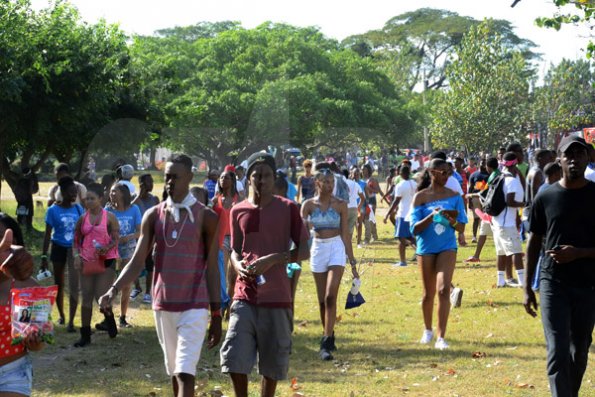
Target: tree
{"x": 242, "y": 90}
{"x": 585, "y": 15}
{"x": 487, "y": 102}
{"x": 566, "y": 101}
{"x": 68, "y": 80}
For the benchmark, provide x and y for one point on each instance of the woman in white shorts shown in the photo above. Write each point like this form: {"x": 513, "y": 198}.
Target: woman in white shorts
{"x": 328, "y": 216}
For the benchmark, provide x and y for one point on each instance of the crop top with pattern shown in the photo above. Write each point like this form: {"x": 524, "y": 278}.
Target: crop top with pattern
{"x": 324, "y": 220}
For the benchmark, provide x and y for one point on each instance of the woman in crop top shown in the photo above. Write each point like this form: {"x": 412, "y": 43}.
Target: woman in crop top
{"x": 15, "y": 364}
{"x": 434, "y": 230}
{"x": 100, "y": 226}
{"x": 328, "y": 215}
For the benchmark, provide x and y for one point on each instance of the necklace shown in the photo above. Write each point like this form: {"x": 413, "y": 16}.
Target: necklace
{"x": 174, "y": 234}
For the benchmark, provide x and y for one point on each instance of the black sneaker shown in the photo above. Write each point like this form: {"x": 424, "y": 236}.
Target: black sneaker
{"x": 102, "y": 326}
{"x": 110, "y": 323}
{"x": 124, "y": 323}
{"x": 325, "y": 349}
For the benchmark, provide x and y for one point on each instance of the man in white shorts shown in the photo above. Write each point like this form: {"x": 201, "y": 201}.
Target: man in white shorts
{"x": 504, "y": 225}
{"x": 184, "y": 233}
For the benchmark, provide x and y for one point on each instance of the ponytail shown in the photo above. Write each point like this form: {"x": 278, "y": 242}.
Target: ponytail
{"x": 424, "y": 180}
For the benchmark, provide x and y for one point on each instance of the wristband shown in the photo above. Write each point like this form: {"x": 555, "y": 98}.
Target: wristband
{"x": 216, "y": 313}
{"x": 455, "y": 224}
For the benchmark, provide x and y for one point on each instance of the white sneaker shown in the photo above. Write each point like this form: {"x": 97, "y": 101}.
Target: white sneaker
{"x": 426, "y": 337}
{"x": 441, "y": 344}
{"x": 147, "y": 298}
{"x": 456, "y": 296}
{"x": 135, "y": 293}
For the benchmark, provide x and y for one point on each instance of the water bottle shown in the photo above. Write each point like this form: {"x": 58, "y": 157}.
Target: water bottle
{"x": 97, "y": 247}
{"x": 43, "y": 274}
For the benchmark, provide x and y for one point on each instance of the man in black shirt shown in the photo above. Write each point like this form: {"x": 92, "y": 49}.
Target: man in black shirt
{"x": 563, "y": 215}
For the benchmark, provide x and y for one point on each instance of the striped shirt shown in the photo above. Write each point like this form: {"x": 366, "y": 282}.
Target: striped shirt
{"x": 180, "y": 276}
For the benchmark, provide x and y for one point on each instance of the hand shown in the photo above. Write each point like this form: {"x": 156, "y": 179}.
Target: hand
{"x": 15, "y": 261}
{"x": 214, "y": 334}
{"x": 33, "y": 341}
{"x": 384, "y": 220}
{"x": 565, "y": 254}
{"x": 105, "y": 301}
{"x": 102, "y": 251}
{"x": 353, "y": 263}
{"x": 240, "y": 268}
{"x": 530, "y": 302}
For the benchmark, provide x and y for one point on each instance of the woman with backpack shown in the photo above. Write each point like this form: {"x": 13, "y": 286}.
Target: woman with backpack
{"x": 436, "y": 214}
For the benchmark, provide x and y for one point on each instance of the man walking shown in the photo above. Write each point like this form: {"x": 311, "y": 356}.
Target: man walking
{"x": 262, "y": 229}
{"x": 186, "y": 275}
{"x": 563, "y": 215}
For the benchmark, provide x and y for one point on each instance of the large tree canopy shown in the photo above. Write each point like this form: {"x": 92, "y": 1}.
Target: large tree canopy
{"x": 243, "y": 89}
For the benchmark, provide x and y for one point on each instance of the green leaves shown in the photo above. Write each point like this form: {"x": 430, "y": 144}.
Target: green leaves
{"x": 488, "y": 97}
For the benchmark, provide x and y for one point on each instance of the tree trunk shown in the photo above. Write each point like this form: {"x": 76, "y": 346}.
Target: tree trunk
{"x": 152, "y": 155}
{"x": 83, "y": 154}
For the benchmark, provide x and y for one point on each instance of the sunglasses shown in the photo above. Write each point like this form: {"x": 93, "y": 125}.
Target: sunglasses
{"x": 440, "y": 172}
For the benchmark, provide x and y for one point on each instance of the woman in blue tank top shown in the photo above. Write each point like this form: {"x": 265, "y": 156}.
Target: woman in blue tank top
{"x": 327, "y": 216}
{"x": 437, "y": 213}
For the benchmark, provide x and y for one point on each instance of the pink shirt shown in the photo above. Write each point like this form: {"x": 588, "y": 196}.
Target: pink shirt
{"x": 98, "y": 233}
{"x": 264, "y": 231}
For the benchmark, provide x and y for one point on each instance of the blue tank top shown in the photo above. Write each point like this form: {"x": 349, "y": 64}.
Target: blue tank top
{"x": 308, "y": 188}
{"x": 322, "y": 220}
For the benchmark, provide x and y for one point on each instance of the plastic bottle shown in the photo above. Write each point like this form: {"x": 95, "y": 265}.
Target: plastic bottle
{"x": 98, "y": 246}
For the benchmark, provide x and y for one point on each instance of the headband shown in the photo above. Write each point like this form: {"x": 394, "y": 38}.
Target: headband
{"x": 510, "y": 163}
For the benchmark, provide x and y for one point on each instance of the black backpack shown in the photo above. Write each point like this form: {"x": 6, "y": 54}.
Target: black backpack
{"x": 494, "y": 201}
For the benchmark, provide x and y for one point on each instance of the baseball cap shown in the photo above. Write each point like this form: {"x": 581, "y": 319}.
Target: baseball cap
{"x": 127, "y": 171}
{"x": 569, "y": 140}
{"x": 260, "y": 158}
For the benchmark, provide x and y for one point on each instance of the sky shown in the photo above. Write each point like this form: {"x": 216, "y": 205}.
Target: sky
{"x": 336, "y": 19}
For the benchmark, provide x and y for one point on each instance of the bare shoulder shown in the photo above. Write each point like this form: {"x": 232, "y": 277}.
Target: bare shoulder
{"x": 420, "y": 197}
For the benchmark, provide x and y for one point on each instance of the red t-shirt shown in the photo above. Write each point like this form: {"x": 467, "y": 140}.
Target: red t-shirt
{"x": 264, "y": 231}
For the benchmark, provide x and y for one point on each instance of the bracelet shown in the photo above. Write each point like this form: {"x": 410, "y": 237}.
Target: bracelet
{"x": 44, "y": 256}
{"x": 455, "y": 224}
{"x": 216, "y": 313}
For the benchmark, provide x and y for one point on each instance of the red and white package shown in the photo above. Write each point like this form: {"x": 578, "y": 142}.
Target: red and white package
{"x": 32, "y": 311}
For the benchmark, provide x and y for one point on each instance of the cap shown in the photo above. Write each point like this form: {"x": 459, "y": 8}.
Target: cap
{"x": 260, "y": 158}
{"x": 569, "y": 140}
{"x": 127, "y": 171}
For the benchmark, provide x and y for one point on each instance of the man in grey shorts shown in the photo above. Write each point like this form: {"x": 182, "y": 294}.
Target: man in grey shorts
{"x": 261, "y": 319}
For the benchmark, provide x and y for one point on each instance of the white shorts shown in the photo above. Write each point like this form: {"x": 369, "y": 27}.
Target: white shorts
{"x": 326, "y": 252}
{"x": 485, "y": 229}
{"x": 181, "y": 335}
{"x": 507, "y": 240}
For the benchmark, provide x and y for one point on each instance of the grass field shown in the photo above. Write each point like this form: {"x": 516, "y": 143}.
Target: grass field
{"x": 496, "y": 349}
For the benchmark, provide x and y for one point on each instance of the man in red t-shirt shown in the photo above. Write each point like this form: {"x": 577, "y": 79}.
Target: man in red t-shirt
{"x": 261, "y": 321}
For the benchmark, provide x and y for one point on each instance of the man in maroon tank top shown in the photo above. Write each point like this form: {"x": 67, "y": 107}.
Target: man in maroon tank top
{"x": 186, "y": 276}
{"x": 261, "y": 321}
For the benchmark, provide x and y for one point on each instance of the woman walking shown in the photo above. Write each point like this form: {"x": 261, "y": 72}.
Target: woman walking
{"x": 328, "y": 216}
{"x": 437, "y": 212}
{"x": 225, "y": 198}
{"x": 305, "y": 183}
{"x": 95, "y": 241}
{"x": 129, "y": 219}
{"x": 60, "y": 220}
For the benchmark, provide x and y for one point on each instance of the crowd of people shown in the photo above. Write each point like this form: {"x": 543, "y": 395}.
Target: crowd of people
{"x": 233, "y": 249}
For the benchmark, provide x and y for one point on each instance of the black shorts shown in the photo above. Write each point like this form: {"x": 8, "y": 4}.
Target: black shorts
{"x": 59, "y": 254}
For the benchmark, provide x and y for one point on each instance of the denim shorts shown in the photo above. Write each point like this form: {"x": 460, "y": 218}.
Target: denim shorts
{"x": 17, "y": 376}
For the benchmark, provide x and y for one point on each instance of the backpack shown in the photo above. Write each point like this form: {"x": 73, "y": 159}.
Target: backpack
{"x": 494, "y": 201}
{"x": 342, "y": 188}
